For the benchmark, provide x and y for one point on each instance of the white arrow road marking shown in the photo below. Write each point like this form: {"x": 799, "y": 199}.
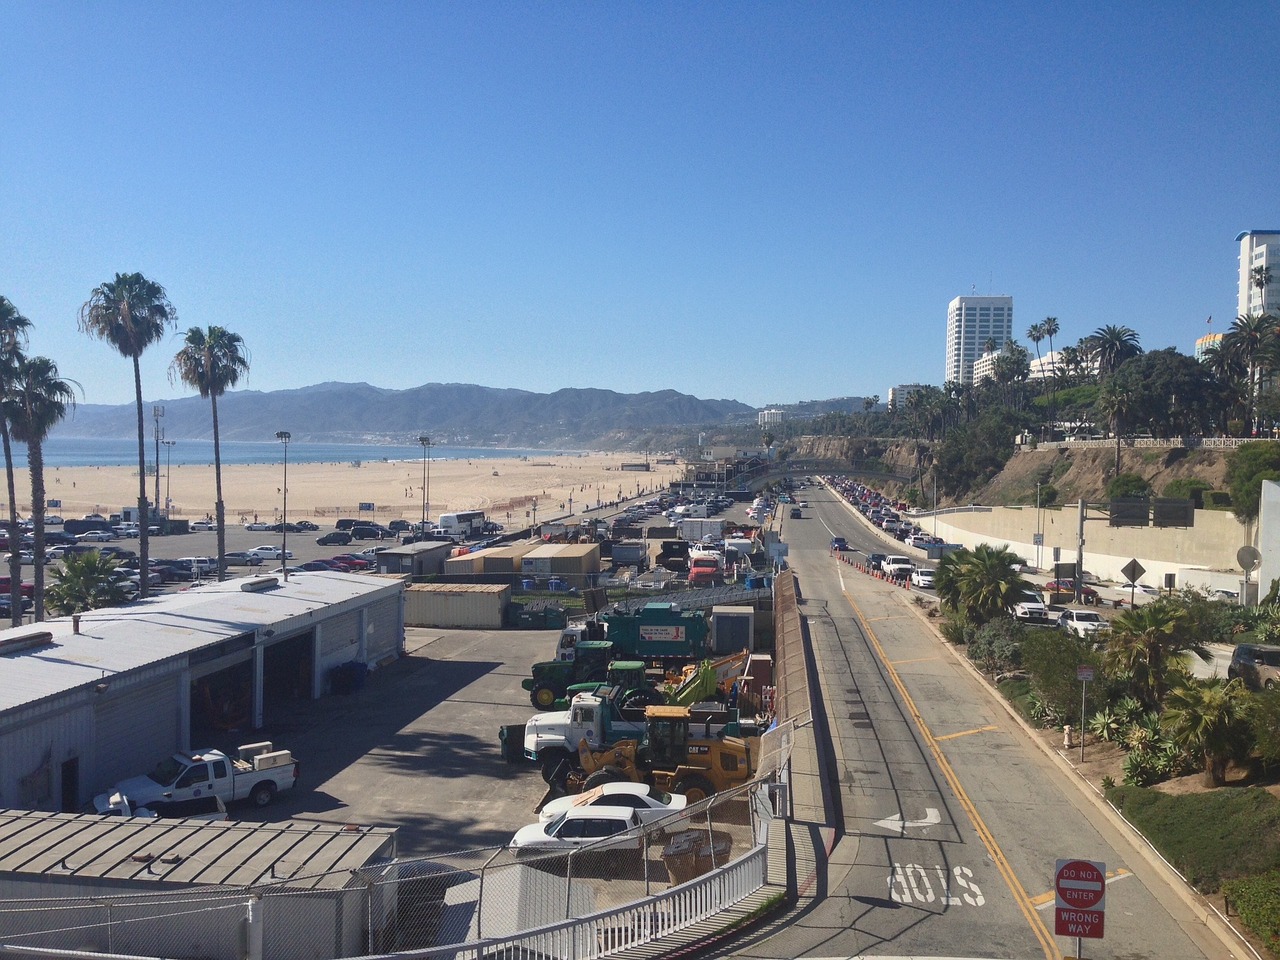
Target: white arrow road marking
{"x": 931, "y": 818}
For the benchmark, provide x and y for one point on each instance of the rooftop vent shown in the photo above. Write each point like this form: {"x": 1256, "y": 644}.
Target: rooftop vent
{"x": 258, "y": 584}
{"x": 26, "y": 641}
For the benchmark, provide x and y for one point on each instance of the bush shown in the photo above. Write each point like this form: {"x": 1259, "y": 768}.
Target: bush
{"x": 1210, "y": 837}
{"x": 1050, "y": 657}
{"x": 1257, "y": 901}
{"x": 956, "y": 630}
{"x": 1128, "y": 485}
{"x": 1187, "y": 488}
{"x": 1048, "y": 495}
{"x": 1217, "y": 500}
{"x": 996, "y": 647}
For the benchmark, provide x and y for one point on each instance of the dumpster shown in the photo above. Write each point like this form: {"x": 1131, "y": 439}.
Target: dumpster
{"x": 555, "y": 618}
{"x": 680, "y": 856}
{"x": 528, "y": 584}
{"x": 511, "y": 741}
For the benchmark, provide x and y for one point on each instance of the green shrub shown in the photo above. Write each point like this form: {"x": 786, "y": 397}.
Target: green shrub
{"x": 1128, "y": 485}
{"x": 996, "y": 647}
{"x": 956, "y": 630}
{"x": 1209, "y": 837}
{"x": 1050, "y": 657}
{"x": 1257, "y": 901}
{"x": 1048, "y": 495}
{"x": 1188, "y": 488}
{"x": 1217, "y": 500}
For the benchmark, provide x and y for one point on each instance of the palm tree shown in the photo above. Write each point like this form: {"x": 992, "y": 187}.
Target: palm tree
{"x": 13, "y": 337}
{"x": 1260, "y": 277}
{"x": 1205, "y": 718}
{"x": 1116, "y": 406}
{"x": 1148, "y": 643}
{"x": 1050, "y": 329}
{"x": 1112, "y": 346}
{"x": 86, "y": 581}
{"x": 37, "y": 404}
{"x": 981, "y": 583}
{"x": 212, "y": 361}
{"x": 131, "y": 313}
{"x": 1251, "y": 338}
{"x": 1035, "y": 333}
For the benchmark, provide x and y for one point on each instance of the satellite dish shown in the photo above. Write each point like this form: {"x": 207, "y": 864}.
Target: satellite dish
{"x": 1248, "y": 558}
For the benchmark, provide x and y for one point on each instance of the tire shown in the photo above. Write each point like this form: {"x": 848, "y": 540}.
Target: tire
{"x": 551, "y": 758}
{"x": 695, "y": 787}
{"x": 643, "y": 698}
{"x": 543, "y": 697}
{"x": 1270, "y": 684}
{"x": 263, "y": 794}
{"x": 604, "y": 775}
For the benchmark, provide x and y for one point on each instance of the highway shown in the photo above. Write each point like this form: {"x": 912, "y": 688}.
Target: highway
{"x": 949, "y": 818}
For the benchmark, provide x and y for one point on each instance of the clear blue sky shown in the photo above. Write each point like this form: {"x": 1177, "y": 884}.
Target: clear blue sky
{"x": 766, "y": 202}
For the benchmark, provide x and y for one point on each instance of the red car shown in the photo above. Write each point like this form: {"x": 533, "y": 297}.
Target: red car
{"x": 28, "y": 588}
{"x": 352, "y": 561}
{"x": 1069, "y": 586}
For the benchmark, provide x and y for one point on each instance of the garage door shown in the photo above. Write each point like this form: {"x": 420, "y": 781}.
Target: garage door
{"x": 136, "y": 728}
{"x": 383, "y": 636}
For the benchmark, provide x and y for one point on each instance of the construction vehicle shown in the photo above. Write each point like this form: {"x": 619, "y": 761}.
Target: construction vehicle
{"x": 658, "y": 633}
{"x": 679, "y": 753}
{"x": 551, "y": 679}
{"x": 605, "y": 714}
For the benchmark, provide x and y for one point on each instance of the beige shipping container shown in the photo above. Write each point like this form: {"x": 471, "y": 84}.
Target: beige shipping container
{"x": 456, "y": 606}
{"x": 466, "y": 564}
{"x": 539, "y": 560}
{"x": 576, "y": 559}
{"x": 507, "y": 559}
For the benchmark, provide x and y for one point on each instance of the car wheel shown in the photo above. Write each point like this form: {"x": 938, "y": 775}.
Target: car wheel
{"x": 1270, "y": 684}
{"x": 263, "y": 794}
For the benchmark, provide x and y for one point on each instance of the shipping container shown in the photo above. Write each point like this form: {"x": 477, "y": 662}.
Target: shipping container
{"x": 538, "y": 560}
{"x": 507, "y": 559}
{"x": 457, "y": 606}
{"x": 576, "y": 559}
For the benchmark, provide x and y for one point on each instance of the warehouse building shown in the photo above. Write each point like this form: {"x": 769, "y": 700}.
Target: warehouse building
{"x": 88, "y": 700}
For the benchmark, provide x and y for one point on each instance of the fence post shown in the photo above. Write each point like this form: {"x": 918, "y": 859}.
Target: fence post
{"x": 253, "y": 922}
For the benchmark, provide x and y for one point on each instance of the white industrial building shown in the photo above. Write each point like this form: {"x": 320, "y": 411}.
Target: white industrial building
{"x": 86, "y": 701}
{"x": 971, "y": 322}
{"x": 1258, "y": 249}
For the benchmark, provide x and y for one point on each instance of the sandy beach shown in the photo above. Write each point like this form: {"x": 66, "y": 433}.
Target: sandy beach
{"x": 504, "y": 488}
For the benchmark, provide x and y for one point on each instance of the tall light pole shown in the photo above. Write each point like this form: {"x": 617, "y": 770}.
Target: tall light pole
{"x": 168, "y": 474}
{"x": 426, "y": 479}
{"x": 284, "y": 437}
{"x": 157, "y": 411}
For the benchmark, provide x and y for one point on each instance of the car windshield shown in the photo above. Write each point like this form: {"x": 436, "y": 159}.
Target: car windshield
{"x": 166, "y": 771}
{"x": 1088, "y": 618}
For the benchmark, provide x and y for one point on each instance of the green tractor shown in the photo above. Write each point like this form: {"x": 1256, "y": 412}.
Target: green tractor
{"x": 552, "y": 679}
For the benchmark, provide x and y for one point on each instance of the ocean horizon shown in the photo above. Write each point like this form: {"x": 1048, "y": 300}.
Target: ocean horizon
{"x": 91, "y": 452}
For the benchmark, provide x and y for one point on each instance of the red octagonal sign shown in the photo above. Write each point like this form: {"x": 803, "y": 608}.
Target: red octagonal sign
{"x": 1079, "y": 884}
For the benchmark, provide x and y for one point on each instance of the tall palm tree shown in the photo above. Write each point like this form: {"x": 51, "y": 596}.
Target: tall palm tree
{"x": 1111, "y": 346}
{"x": 1050, "y": 330}
{"x": 131, "y": 313}
{"x": 1251, "y": 338}
{"x": 1035, "y": 333}
{"x": 1260, "y": 277}
{"x": 1148, "y": 643}
{"x": 38, "y": 403}
{"x": 1116, "y": 407}
{"x": 13, "y": 337}
{"x": 212, "y": 361}
{"x": 1206, "y": 718}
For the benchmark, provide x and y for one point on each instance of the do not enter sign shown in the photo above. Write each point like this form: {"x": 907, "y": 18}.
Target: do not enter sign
{"x": 1081, "y": 892}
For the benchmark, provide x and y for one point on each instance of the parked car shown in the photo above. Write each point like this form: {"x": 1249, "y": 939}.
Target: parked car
{"x": 258, "y": 526}
{"x": 97, "y": 536}
{"x": 370, "y": 532}
{"x": 335, "y": 538}
{"x": 651, "y": 803}
{"x": 1257, "y": 664}
{"x": 1083, "y": 623}
{"x": 354, "y": 560}
{"x": 202, "y": 526}
{"x": 839, "y": 544}
{"x": 796, "y": 514}
{"x": 1087, "y": 594}
{"x": 238, "y": 558}
{"x": 922, "y": 577}
{"x": 196, "y": 564}
{"x": 306, "y": 526}
{"x": 578, "y": 827}
{"x": 269, "y": 551}
{"x": 284, "y": 527}
{"x": 874, "y": 560}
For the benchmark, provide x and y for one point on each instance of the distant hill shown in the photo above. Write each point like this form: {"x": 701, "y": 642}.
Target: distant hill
{"x": 453, "y": 413}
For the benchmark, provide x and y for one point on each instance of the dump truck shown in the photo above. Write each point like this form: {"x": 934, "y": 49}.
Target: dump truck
{"x": 679, "y": 753}
{"x": 257, "y": 773}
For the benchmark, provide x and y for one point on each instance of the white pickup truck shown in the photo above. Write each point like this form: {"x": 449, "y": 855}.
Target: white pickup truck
{"x": 258, "y": 773}
{"x": 210, "y": 808}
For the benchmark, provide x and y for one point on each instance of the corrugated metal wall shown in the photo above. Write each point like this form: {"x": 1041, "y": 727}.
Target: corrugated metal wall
{"x": 33, "y": 748}
{"x": 383, "y": 629}
{"x": 469, "y": 607}
{"x": 134, "y": 728}
{"x": 339, "y": 637}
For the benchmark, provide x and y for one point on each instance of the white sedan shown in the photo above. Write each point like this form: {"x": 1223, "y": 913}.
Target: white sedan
{"x": 96, "y": 536}
{"x": 269, "y": 551}
{"x": 611, "y": 827}
{"x": 258, "y": 525}
{"x": 921, "y": 577}
{"x": 650, "y": 802}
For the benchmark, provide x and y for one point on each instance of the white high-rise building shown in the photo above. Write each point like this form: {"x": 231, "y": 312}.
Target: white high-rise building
{"x": 1258, "y": 249}
{"x": 971, "y": 322}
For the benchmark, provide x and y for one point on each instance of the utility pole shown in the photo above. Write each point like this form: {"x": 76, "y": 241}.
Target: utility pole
{"x": 157, "y": 411}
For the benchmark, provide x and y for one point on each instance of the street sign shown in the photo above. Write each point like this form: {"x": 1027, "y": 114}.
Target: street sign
{"x": 366, "y": 507}
{"x": 1133, "y": 570}
{"x": 1037, "y": 539}
{"x": 1080, "y": 888}
{"x": 1084, "y": 674}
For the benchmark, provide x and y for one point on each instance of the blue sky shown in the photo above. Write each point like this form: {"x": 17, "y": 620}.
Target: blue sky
{"x": 765, "y": 202}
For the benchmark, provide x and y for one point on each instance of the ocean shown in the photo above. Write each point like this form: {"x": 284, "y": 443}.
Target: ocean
{"x": 111, "y": 453}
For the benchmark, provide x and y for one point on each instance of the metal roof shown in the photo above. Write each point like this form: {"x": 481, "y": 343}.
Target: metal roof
{"x": 118, "y": 639}
{"x": 318, "y": 856}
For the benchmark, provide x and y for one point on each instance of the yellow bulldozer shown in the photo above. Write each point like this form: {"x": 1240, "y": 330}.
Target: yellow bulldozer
{"x": 675, "y": 755}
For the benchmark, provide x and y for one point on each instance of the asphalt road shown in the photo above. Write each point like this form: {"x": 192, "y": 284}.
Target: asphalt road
{"x": 951, "y": 819}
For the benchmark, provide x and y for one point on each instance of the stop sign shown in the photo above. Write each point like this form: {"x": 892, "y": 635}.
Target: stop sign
{"x": 1080, "y": 884}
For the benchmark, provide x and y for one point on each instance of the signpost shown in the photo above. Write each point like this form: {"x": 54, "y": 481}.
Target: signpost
{"x": 1132, "y": 571}
{"x": 1080, "y": 889}
{"x": 1084, "y": 674}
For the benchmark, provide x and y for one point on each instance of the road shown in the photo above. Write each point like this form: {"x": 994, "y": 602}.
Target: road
{"x": 950, "y": 819}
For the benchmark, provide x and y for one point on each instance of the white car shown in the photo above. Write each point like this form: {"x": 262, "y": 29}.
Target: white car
{"x": 96, "y": 536}
{"x": 650, "y": 802}
{"x": 269, "y": 551}
{"x": 1083, "y": 623}
{"x": 202, "y": 526}
{"x": 921, "y": 577}
{"x": 258, "y": 525}
{"x": 580, "y": 827}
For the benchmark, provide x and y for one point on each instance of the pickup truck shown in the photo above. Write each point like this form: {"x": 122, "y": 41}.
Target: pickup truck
{"x": 209, "y": 808}
{"x": 257, "y": 773}
{"x": 897, "y": 567}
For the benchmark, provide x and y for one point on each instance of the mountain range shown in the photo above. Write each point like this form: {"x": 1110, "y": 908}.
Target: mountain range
{"x": 454, "y": 413}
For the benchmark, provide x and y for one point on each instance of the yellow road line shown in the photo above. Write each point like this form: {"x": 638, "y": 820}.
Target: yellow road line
{"x": 896, "y": 616}
{"x": 898, "y": 663}
{"x": 1048, "y": 899}
{"x": 1020, "y": 896}
{"x": 965, "y": 733}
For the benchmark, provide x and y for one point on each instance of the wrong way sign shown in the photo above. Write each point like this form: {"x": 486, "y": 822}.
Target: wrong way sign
{"x": 1080, "y": 889}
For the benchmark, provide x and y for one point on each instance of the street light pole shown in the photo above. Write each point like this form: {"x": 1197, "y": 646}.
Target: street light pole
{"x": 284, "y": 437}
{"x": 426, "y": 479}
{"x": 168, "y": 474}
{"x": 157, "y": 411}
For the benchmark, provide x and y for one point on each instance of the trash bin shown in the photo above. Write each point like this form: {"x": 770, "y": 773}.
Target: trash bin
{"x": 680, "y": 855}
{"x": 511, "y": 738}
{"x": 555, "y": 618}
{"x": 348, "y": 677}
{"x": 528, "y": 584}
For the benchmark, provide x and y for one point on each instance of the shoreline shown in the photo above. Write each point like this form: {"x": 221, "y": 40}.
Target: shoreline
{"x": 507, "y": 489}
